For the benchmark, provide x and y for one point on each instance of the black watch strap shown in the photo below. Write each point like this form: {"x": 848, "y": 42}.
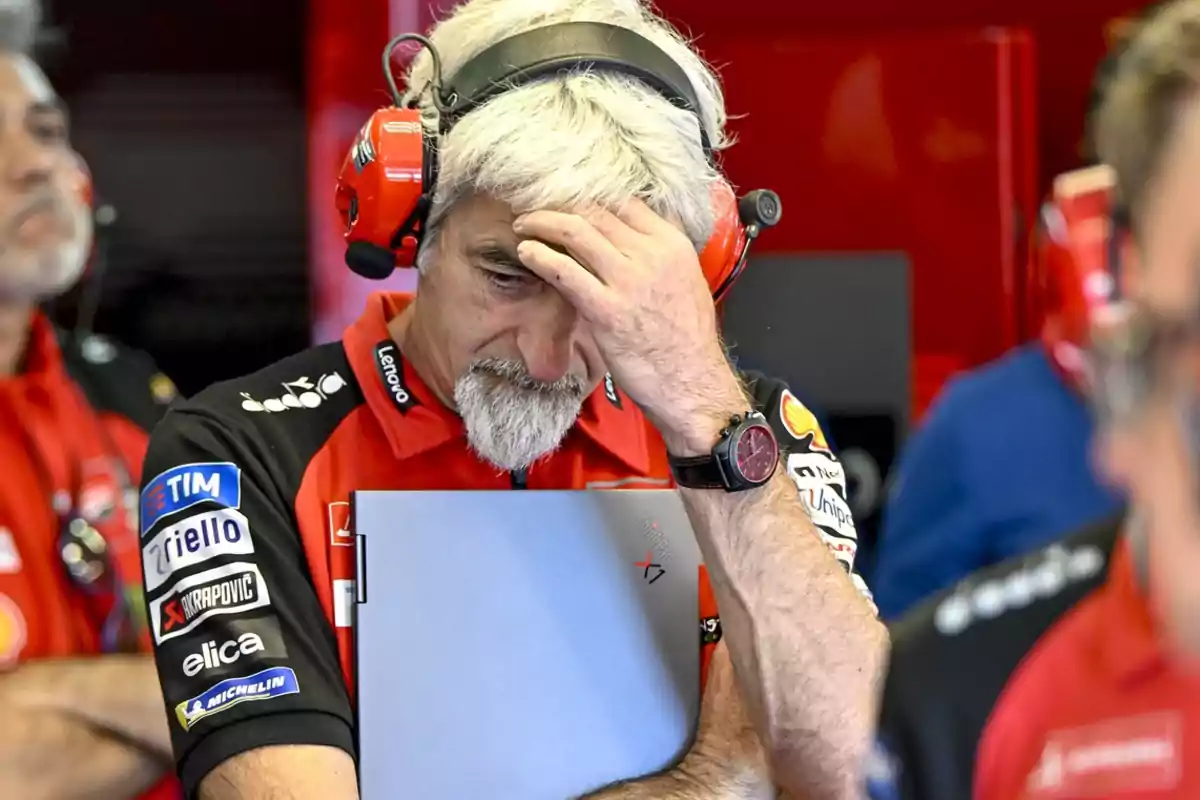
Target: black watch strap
{"x": 697, "y": 472}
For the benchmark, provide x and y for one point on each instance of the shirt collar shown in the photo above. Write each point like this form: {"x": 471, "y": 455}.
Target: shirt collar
{"x": 609, "y": 419}
{"x": 1129, "y": 643}
{"x": 42, "y": 363}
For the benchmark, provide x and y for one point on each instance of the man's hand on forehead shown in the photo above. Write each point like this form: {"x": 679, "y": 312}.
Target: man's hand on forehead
{"x": 637, "y": 280}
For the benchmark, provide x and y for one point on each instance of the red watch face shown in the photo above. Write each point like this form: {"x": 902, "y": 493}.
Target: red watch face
{"x": 757, "y": 453}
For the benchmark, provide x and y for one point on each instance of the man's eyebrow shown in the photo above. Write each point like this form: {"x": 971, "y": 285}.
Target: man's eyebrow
{"x": 54, "y": 105}
{"x": 495, "y": 254}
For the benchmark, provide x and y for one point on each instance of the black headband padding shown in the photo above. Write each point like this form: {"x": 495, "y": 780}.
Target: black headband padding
{"x": 567, "y": 47}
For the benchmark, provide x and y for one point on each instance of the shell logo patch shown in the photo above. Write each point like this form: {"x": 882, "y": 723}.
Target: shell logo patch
{"x": 12, "y": 631}
{"x": 800, "y": 422}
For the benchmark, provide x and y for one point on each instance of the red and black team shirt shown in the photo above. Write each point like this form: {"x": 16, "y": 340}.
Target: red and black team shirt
{"x": 1040, "y": 679}
{"x": 73, "y": 430}
{"x": 246, "y": 548}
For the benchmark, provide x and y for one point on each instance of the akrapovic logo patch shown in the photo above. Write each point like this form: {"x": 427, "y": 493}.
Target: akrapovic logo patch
{"x": 391, "y": 372}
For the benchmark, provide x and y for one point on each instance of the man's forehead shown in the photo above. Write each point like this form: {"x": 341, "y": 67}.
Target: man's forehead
{"x": 21, "y": 77}
{"x": 1169, "y": 278}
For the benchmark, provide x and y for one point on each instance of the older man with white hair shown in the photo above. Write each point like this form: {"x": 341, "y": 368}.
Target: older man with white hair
{"x": 563, "y": 336}
{"x": 80, "y": 714}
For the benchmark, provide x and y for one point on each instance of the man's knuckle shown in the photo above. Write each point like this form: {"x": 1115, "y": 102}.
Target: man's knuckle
{"x": 572, "y": 229}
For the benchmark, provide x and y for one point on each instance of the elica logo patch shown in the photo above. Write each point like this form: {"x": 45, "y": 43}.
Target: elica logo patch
{"x": 264, "y": 685}
{"x": 391, "y": 372}
{"x": 194, "y": 540}
{"x": 229, "y": 589}
{"x": 246, "y": 642}
{"x": 187, "y": 485}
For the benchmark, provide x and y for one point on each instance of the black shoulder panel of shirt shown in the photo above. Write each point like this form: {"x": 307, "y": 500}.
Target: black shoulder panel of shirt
{"x": 276, "y": 420}
{"x": 764, "y": 393}
{"x": 953, "y": 655}
{"x": 116, "y": 379}
{"x": 270, "y": 424}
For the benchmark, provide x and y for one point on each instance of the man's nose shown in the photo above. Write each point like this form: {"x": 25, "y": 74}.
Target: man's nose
{"x": 547, "y": 338}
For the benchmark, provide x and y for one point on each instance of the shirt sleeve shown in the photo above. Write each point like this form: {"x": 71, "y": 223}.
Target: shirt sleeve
{"x": 931, "y": 534}
{"x": 246, "y": 655}
{"x": 812, "y": 466}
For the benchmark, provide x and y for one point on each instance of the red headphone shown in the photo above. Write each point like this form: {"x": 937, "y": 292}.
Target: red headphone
{"x": 82, "y": 181}
{"x": 1077, "y": 261}
{"x": 386, "y": 184}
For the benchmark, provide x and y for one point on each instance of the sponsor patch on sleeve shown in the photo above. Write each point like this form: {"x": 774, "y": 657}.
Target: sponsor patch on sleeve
{"x": 194, "y": 540}
{"x": 264, "y": 685}
{"x": 188, "y": 485}
{"x": 808, "y": 470}
{"x": 227, "y": 589}
{"x": 710, "y": 630}
{"x": 800, "y": 423}
{"x": 829, "y": 511}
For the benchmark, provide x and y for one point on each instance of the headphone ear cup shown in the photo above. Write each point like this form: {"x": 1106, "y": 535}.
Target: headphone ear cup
{"x": 84, "y": 187}
{"x": 381, "y": 193}
{"x": 721, "y": 253}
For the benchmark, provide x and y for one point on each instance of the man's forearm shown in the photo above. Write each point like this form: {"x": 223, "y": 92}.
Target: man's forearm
{"x": 668, "y": 786}
{"x": 805, "y": 645}
{"x": 51, "y": 756}
{"x": 691, "y": 780}
{"x": 118, "y": 693}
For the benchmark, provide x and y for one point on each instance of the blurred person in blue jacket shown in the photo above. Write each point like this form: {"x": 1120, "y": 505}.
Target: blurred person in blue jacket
{"x": 1001, "y": 464}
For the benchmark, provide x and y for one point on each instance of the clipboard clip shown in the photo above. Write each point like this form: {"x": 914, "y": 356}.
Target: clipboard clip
{"x": 360, "y": 568}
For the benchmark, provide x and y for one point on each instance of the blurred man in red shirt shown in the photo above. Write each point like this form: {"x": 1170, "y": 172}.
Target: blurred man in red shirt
{"x": 78, "y": 699}
{"x": 1075, "y": 672}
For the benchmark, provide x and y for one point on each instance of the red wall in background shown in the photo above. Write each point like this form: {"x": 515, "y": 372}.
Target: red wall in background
{"x": 1068, "y": 36}
{"x": 875, "y": 145}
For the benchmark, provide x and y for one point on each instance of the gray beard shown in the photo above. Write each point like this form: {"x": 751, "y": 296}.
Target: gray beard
{"x": 512, "y": 420}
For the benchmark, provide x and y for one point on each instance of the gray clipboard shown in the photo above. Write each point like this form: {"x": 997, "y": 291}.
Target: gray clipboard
{"x": 532, "y": 645}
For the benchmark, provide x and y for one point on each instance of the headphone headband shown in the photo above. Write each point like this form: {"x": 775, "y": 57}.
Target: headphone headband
{"x": 554, "y": 49}
{"x": 387, "y": 181}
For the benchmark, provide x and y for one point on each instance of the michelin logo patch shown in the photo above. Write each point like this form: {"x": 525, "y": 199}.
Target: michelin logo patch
{"x": 265, "y": 685}
{"x": 187, "y": 485}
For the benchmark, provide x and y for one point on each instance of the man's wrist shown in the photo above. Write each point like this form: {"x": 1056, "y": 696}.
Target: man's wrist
{"x": 699, "y": 437}
{"x": 697, "y": 428}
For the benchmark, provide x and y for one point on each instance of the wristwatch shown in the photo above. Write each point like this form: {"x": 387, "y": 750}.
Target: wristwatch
{"x": 745, "y": 456}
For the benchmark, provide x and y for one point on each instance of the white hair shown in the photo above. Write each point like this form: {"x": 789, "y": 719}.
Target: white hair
{"x": 19, "y": 24}
{"x": 578, "y": 139}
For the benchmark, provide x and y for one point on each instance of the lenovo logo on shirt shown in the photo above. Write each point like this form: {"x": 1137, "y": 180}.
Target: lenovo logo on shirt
{"x": 228, "y": 589}
{"x": 391, "y": 372}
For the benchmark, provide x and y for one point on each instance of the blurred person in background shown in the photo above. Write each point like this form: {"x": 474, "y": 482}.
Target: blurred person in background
{"x": 80, "y": 714}
{"x": 563, "y": 336}
{"x": 1075, "y": 672}
{"x": 1000, "y": 466}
